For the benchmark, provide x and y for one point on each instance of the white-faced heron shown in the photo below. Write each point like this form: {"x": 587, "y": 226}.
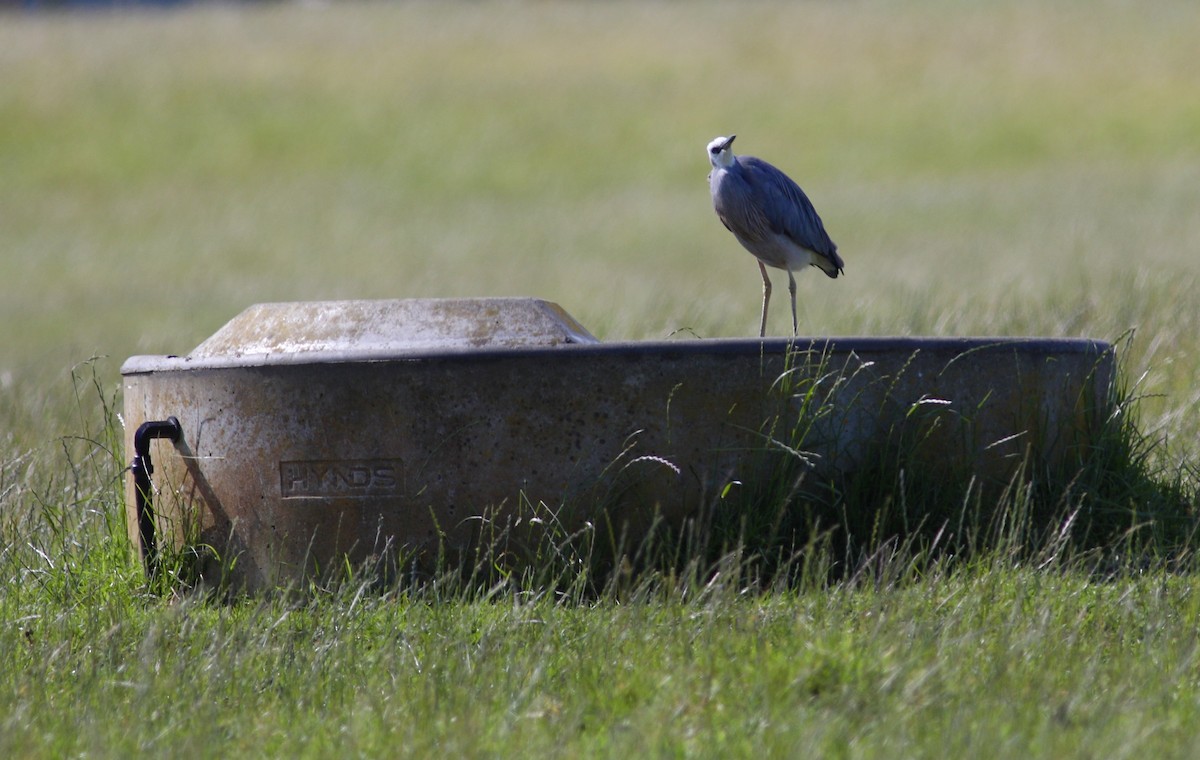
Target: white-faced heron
{"x": 771, "y": 217}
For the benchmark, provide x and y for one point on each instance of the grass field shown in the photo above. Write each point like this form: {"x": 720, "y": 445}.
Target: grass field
{"x": 1008, "y": 168}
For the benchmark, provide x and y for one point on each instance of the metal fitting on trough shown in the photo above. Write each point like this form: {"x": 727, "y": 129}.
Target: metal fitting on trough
{"x": 142, "y": 468}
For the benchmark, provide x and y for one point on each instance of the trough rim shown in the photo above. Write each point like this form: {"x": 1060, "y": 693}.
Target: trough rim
{"x": 906, "y": 345}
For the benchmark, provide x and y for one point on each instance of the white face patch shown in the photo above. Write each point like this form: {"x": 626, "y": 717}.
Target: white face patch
{"x": 720, "y": 158}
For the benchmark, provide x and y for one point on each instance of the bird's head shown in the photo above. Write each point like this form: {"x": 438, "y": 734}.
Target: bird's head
{"x": 719, "y": 152}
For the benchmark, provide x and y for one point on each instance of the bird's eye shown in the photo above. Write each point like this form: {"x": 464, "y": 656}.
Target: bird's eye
{"x": 715, "y": 149}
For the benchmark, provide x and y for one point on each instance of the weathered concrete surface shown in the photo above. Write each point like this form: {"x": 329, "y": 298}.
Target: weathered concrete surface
{"x": 311, "y": 331}
{"x": 290, "y": 464}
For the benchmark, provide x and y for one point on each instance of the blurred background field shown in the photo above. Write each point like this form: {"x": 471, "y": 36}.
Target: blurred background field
{"x": 1003, "y": 168}
{"x": 1009, "y": 168}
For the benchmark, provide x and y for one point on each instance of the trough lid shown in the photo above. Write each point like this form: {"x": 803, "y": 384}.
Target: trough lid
{"x": 343, "y": 329}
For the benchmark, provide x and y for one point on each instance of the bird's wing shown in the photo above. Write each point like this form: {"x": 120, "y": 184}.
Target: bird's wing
{"x": 785, "y": 209}
{"x": 736, "y": 210}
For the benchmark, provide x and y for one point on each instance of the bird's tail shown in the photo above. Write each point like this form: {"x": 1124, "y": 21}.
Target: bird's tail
{"x": 832, "y": 264}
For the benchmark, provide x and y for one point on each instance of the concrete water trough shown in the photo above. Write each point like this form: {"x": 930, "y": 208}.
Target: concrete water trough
{"x": 302, "y": 436}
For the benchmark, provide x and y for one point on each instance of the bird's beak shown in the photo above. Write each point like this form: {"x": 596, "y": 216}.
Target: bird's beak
{"x": 728, "y": 141}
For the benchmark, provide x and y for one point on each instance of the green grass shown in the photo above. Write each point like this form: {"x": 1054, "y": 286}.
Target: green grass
{"x": 989, "y": 661}
{"x": 1000, "y": 168}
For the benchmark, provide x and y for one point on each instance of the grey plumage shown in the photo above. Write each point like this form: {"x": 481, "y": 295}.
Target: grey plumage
{"x": 771, "y": 217}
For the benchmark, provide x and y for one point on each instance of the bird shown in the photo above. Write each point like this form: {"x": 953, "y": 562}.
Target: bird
{"x": 771, "y": 217}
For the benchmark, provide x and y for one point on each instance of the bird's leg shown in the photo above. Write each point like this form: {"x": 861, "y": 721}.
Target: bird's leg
{"x": 792, "y": 290}
{"x": 762, "y": 326}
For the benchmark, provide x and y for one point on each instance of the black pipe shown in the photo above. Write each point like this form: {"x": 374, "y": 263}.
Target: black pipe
{"x": 142, "y": 469}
